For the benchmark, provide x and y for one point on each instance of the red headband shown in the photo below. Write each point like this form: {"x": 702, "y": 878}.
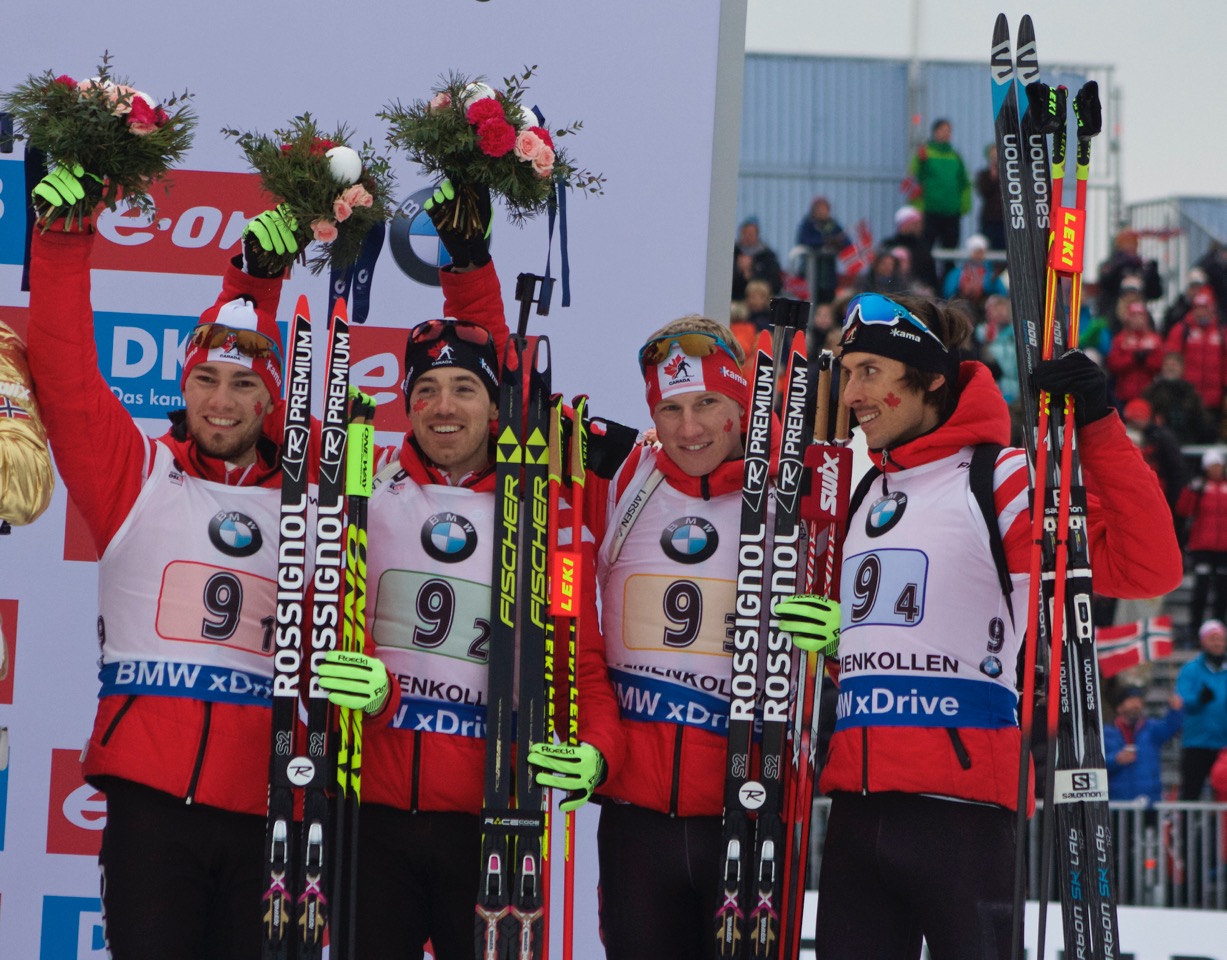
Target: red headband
{"x": 679, "y": 373}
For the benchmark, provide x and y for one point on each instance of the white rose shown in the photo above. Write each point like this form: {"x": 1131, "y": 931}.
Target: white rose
{"x": 476, "y": 91}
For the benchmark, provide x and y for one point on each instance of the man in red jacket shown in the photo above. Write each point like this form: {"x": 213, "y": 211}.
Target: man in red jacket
{"x": 186, "y": 529}
{"x": 923, "y": 764}
{"x": 1199, "y": 336}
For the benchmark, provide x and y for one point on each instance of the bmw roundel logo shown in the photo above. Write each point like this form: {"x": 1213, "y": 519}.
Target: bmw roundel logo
{"x": 448, "y": 537}
{"x": 990, "y": 666}
{"x": 235, "y": 534}
{"x": 885, "y": 513}
{"x": 689, "y": 540}
{"x": 413, "y": 241}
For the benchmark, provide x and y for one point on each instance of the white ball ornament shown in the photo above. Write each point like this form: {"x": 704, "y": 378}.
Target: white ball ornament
{"x": 345, "y": 165}
{"x": 476, "y": 91}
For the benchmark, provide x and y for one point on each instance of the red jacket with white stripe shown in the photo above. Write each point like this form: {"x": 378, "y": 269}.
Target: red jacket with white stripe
{"x": 875, "y": 750}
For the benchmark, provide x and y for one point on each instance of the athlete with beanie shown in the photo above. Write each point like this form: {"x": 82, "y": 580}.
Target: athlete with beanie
{"x": 429, "y": 566}
{"x": 923, "y": 764}
{"x": 185, "y": 526}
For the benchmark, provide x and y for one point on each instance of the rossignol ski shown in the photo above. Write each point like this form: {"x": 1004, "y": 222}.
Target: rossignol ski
{"x": 510, "y": 921}
{"x": 298, "y": 857}
{"x": 285, "y": 769}
{"x": 824, "y": 508}
{"x": 762, "y": 653}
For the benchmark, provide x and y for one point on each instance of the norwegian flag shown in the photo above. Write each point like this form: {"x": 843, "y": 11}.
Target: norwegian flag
{"x": 10, "y": 409}
{"x": 857, "y": 256}
{"x": 1131, "y": 644}
{"x": 910, "y": 187}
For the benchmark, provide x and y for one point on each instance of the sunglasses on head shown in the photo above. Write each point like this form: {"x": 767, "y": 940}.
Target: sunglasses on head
{"x": 873, "y": 308}
{"x": 430, "y": 330}
{"x": 692, "y": 344}
{"x": 249, "y": 343}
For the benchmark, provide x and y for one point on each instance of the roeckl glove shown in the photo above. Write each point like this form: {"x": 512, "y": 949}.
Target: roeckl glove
{"x": 578, "y": 769}
{"x": 1077, "y": 374}
{"x": 62, "y": 187}
{"x": 269, "y": 243}
{"x": 466, "y": 249}
{"x": 812, "y": 621}
{"x": 354, "y": 680}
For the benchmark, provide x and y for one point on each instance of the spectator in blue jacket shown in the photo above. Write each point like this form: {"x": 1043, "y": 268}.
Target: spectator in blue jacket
{"x": 1133, "y": 743}
{"x": 1202, "y": 683}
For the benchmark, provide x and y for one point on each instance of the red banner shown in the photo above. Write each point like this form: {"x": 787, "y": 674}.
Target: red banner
{"x": 76, "y": 812}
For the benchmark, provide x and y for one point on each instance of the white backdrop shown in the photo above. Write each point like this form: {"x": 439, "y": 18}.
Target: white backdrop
{"x": 658, "y": 86}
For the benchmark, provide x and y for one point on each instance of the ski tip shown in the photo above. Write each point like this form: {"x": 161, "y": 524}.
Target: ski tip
{"x": 340, "y": 310}
{"x": 303, "y": 308}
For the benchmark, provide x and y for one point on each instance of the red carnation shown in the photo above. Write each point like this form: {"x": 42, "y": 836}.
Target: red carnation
{"x": 483, "y": 110}
{"x": 543, "y": 135}
{"x": 321, "y": 146}
{"x": 495, "y": 137}
{"x": 65, "y": 80}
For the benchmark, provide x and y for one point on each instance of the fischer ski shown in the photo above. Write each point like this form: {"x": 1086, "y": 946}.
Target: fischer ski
{"x": 510, "y": 922}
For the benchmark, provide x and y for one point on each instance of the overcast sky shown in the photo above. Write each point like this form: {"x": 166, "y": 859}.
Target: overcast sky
{"x": 1168, "y": 57}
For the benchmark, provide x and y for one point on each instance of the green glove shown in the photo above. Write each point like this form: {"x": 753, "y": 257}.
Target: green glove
{"x": 269, "y": 243}
{"x": 467, "y": 247}
{"x": 812, "y": 621}
{"x": 354, "y": 680}
{"x": 577, "y": 769}
{"x": 62, "y": 187}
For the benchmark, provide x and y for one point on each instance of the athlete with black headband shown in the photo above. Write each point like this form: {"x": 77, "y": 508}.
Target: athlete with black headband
{"x": 923, "y": 764}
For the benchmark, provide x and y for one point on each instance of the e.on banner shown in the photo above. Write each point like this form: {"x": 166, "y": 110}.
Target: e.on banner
{"x": 199, "y": 216}
{"x": 76, "y": 812}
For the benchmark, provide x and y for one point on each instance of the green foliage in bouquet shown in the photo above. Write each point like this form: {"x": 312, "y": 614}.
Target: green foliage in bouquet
{"x": 336, "y": 195}
{"x": 479, "y": 136}
{"x": 122, "y": 137}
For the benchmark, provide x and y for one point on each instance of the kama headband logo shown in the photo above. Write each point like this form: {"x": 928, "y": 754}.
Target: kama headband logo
{"x": 235, "y": 534}
{"x": 885, "y": 513}
{"x": 449, "y": 537}
{"x": 689, "y": 540}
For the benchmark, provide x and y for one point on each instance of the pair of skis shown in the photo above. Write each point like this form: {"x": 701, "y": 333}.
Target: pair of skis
{"x": 760, "y": 839}
{"x": 511, "y": 901}
{"x": 1045, "y": 241}
{"x": 298, "y": 904}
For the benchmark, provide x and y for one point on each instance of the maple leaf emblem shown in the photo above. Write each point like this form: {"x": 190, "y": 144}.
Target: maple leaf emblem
{"x": 437, "y": 349}
{"x": 673, "y": 366}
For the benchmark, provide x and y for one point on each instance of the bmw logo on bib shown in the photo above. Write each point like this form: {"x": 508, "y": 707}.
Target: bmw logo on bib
{"x": 448, "y": 537}
{"x": 885, "y": 513}
{"x": 235, "y": 534}
{"x": 689, "y": 540}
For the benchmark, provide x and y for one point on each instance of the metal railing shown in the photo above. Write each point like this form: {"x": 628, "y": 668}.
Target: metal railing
{"x": 1167, "y": 855}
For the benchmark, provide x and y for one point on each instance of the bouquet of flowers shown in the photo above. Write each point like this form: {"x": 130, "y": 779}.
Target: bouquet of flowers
{"x": 122, "y": 138}
{"x": 336, "y": 193}
{"x": 479, "y": 136}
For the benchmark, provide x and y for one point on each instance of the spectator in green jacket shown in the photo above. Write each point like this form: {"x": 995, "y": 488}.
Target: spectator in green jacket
{"x": 944, "y": 186}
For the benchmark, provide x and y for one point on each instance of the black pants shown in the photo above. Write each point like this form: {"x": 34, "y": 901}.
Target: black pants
{"x": 179, "y": 882}
{"x": 898, "y": 867}
{"x": 660, "y": 878}
{"x": 418, "y": 875}
{"x": 942, "y": 229}
{"x": 1209, "y": 569}
{"x": 1195, "y": 764}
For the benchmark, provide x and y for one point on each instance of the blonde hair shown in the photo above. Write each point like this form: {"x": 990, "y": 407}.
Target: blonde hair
{"x": 698, "y": 324}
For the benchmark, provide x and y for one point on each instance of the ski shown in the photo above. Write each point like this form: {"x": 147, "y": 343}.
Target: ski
{"x": 824, "y": 508}
{"x": 314, "y": 855}
{"x": 510, "y": 922}
{"x": 756, "y": 638}
{"x": 286, "y": 770}
{"x": 359, "y": 477}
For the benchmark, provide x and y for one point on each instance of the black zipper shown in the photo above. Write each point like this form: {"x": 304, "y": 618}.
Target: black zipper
{"x": 960, "y": 751}
{"x": 119, "y": 715}
{"x": 417, "y": 771}
{"x": 204, "y": 740}
{"x": 677, "y": 770}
